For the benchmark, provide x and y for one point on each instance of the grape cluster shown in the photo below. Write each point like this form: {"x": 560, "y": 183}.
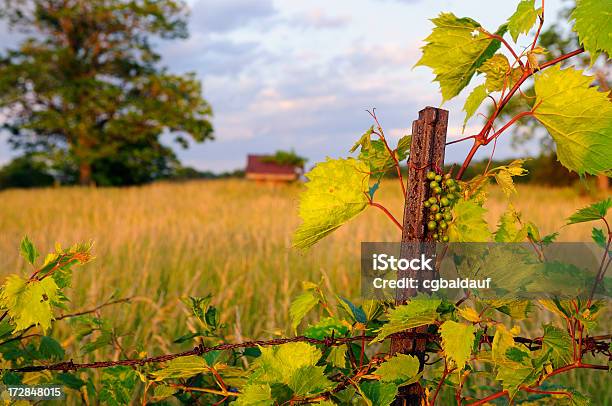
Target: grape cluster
{"x": 445, "y": 192}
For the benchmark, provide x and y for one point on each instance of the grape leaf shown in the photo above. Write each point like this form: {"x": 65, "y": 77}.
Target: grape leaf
{"x": 497, "y": 70}
{"x": 183, "y": 367}
{"x": 164, "y": 391}
{"x": 337, "y": 356}
{"x": 50, "y": 348}
{"x": 302, "y": 305}
{"x": 503, "y": 175}
{"x": 469, "y": 314}
{"x": 377, "y": 393}
{"x": 598, "y": 236}
{"x": 577, "y": 116}
{"x": 469, "y": 224}
{"x": 278, "y": 364}
{"x": 473, "y": 101}
{"x": 399, "y": 369}
{"x": 457, "y": 342}
{"x": 592, "y": 24}
{"x": 365, "y": 141}
{"x": 325, "y": 328}
{"x": 118, "y": 384}
{"x": 354, "y": 312}
{"x": 508, "y": 229}
{"x": 455, "y": 49}
{"x": 255, "y": 395}
{"x": 595, "y": 211}
{"x": 560, "y": 344}
{"x": 335, "y": 193}
{"x": 29, "y": 302}
{"x": 309, "y": 380}
{"x": 420, "y": 311}
{"x": 523, "y": 19}
{"x": 28, "y": 250}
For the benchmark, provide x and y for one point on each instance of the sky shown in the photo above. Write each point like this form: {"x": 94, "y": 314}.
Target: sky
{"x": 288, "y": 74}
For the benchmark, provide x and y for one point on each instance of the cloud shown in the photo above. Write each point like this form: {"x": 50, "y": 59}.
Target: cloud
{"x": 226, "y": 15}
{"x": 316, "y": 18}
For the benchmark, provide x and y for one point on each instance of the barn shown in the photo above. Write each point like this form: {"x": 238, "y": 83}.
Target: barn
{"x": 263, "y": 168}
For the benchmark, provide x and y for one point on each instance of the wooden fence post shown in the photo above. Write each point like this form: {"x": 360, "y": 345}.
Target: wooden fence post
{"x": 426, "y": 153}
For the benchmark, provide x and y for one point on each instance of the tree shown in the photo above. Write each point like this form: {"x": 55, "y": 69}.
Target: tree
{"x": 87, "y": 80}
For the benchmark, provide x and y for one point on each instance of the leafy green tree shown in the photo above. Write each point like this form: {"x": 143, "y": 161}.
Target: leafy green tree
{"x": 87, "y": 80}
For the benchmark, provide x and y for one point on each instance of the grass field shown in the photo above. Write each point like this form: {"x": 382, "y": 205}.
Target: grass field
{"x": 230, "y": 238}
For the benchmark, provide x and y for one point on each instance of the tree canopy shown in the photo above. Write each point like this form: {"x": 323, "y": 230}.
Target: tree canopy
{"x": 87, "y": 80}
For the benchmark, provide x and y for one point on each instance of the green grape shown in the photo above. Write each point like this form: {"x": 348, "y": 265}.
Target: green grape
{"x": 431, "y": 225}
{"x": 426, "y": 204}
{"x": 431, "y": 175}
{"x": 432, "y": 200}
{"x": 450, "y": 196}
{"x": 438, "y": 217}
{"x": 442, "y": 225}
{"x": 447, "y": 216}
{"x": 437, "y": 190}
{"x": 444, "y": 201}
{"x": 435, "y": 236}
{"x": 452, "y": 188}
{"x": 434, "y": 208}
{"x": 438, "y": 178}
{"x": 445, "y": 238}
{"x": 449, "y": 182}
{"x": 433, "y": 184}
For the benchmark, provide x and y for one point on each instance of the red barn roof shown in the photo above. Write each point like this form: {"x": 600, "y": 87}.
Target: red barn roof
{"x": 257, "y": 164}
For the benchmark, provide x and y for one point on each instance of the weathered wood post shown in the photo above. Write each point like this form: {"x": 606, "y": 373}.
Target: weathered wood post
{"x": 426, "y": 153}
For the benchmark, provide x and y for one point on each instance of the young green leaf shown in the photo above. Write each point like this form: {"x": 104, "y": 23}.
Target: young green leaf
{"x": 377, "y": 393}
{"x": 523, "y": 19}
{"x": 335, "y": 193}
{"x": 560, "y": 344}
{"x": 118, "y": 384}
{"x": 302, "y": 305}
{"x": 325, "y": 328}
{"x": 595, "y": 211}
{"x": 337, "y": 356}
{"x": 592, "y": 24}
{"x": 599, "y": 237}
{"x": 457, "y": 342}
{"x": 455, "y": 49}
{"x": 473, "y": 101}
{"x": 577, "y": 116}
{"x": 255, "y": 395}
{"x": 498, "y": 73}
{"x": 308, "y": 380}
{"x": 29, "y": 302}
{"x": 50, "y": 348}
{"x": 469, "y": 224}
{"x": 420, "y": 311}
{"x": 399, "y": 369}
{"x": 163, "y": 391}
{"x": 28, "y": 250}
{"x": 183, "y": 367}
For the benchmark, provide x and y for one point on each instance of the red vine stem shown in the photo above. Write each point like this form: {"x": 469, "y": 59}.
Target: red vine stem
{"x": 480, "y": 139}
{"x": 381, "y": 135}
{"x": 387, "y": 213}
{"x": 541, "y": 18}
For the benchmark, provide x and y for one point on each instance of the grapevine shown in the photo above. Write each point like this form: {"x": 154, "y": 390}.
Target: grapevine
{"x": 475, "y": 352}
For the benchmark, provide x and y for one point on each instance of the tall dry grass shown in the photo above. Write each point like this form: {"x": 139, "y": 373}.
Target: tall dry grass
{"x": 230, "y": 238}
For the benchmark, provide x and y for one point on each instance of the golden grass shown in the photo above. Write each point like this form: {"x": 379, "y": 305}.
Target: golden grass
{"x": 230, "y": 238}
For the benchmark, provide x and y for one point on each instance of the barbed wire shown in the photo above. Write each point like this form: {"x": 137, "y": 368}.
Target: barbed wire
{"x": 591, "y": 344}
